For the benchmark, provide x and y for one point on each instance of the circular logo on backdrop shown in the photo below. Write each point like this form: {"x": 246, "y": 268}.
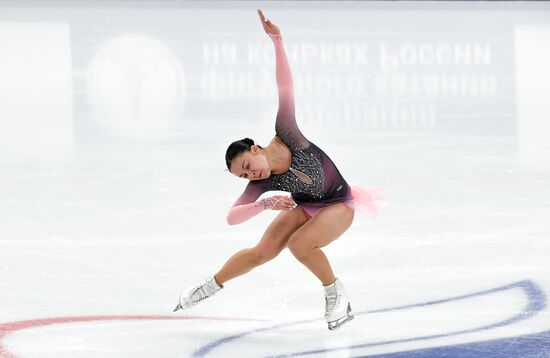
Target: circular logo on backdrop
{"x": 135, "y": 85}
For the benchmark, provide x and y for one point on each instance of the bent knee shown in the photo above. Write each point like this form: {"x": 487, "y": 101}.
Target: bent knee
{"x": 299, "y": 248}
{"x": 261, "y": 255}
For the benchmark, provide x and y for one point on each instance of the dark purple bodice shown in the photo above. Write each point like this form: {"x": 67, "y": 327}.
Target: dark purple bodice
{"x": 328, "y": 186}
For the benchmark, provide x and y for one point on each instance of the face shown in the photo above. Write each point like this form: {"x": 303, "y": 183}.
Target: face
{"x": 251, "y": 165}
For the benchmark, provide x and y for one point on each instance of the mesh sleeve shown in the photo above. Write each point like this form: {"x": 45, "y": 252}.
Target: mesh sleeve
{"x": 285, "y": 126}
{"x": 251, "y": 193}
{"x": 246, "y": 205}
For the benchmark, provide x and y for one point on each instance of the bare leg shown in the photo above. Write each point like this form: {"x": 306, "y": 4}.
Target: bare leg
{"x": 239, "y": 264}
{"x": 272, "y": 243}
{"x": 317, "y": 262}
{"x": 325, "y": 227}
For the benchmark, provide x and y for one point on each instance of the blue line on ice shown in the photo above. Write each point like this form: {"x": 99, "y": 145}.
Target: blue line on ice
{"x": 536, "y": 301}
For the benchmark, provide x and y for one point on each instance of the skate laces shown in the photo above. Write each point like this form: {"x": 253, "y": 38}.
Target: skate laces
{"x": 332, "y": 298}
{"x": 202, "y": 291}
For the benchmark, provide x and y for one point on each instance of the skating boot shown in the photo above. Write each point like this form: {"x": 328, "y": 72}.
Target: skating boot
{"x": 337, "y": 306}
{"x": 190, "y": 297}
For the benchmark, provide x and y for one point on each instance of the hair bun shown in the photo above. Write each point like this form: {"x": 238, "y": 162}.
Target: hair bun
{"x": 237, "y": 148}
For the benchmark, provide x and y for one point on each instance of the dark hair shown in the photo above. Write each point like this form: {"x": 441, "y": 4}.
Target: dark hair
{"x": 237, "y": 148}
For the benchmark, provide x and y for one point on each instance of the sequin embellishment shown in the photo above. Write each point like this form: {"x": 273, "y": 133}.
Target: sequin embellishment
{"x": 307, "y": 162}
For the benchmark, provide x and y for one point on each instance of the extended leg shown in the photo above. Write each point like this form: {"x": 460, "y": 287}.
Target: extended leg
{"x": 273, "y": 242}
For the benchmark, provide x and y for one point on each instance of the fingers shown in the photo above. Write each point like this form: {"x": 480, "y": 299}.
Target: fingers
{"x": 264, "y": 20}
{"x": 284, "y": 203}
{"x": 287, "y": 207}
{"x": 288, "y": 203}
{"x": 262, "y": 17}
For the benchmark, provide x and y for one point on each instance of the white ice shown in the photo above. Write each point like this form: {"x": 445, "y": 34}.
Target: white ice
{"x": 114, "y": 120}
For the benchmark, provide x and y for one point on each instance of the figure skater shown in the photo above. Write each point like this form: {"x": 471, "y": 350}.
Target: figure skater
{"x": 320, "y": 209}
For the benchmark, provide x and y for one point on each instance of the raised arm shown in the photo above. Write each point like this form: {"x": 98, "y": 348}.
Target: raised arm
{"x": 285, "y": 87}
{"x": 285, "y": 124}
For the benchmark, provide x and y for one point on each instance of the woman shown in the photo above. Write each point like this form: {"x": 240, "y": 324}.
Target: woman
{"x": 320, "y": 209}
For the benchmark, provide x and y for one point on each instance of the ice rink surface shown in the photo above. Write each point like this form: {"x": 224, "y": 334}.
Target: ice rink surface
{"x": 114, "y": 121}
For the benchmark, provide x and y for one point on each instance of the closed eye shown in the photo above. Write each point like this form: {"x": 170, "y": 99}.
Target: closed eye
{"x": 246, "y": 168}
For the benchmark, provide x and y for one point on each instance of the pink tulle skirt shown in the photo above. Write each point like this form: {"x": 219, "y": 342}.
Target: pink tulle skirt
{"x": 365, "y": 199}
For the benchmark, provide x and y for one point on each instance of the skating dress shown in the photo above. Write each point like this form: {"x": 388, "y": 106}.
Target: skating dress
{"x": 313, "y": 179}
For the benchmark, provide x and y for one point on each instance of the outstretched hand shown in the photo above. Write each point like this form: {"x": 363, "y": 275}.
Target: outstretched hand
{"x": 269, "y": 27}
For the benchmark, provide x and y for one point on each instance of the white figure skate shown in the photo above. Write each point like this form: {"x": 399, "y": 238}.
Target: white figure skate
{"x": 337, "y": 306}
{"x": 192, "y": 296}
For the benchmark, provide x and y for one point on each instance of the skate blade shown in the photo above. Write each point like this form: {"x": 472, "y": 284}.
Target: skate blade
{"x": 178, "y": 307}
{"x": 338, "y": 323}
